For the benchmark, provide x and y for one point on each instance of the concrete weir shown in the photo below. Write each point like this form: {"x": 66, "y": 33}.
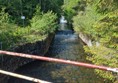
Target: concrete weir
{"x": 11, "y": 63}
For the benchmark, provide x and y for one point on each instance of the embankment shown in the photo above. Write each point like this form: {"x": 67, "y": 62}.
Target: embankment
{"x": 11, "y": 63}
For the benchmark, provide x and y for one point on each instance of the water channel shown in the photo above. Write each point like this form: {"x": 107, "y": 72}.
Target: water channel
{"x": 66, "y": 45}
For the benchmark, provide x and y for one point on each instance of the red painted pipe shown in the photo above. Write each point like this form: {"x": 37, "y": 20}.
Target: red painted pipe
{"x": 59, "y": 61}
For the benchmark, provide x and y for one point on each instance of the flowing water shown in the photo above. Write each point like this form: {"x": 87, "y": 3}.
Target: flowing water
{"x": 66, "y": 45}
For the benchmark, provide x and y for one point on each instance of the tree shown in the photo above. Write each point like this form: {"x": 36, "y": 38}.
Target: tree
{"x": 38, "y": 23}
{"x": 18, "y": 8}
{"x": 99, "y": 20}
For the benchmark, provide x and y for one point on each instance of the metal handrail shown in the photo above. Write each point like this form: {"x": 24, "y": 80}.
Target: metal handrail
{"x": 60, "y": 61}
{"x": 23, "y": 77}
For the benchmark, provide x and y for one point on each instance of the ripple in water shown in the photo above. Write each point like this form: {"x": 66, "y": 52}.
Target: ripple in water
{"x": 66, "y": 45}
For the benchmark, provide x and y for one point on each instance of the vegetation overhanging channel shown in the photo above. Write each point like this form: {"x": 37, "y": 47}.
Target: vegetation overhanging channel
{"x": 29, "y": 21}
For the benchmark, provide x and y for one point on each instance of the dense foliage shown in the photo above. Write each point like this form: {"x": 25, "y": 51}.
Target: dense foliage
{"x": 18, "y": 8}
{"x": 96, "y": 18}
{"x": 68, "y": 8}
{"x": 99, "y": 21}
{"x": 40, "y": 20}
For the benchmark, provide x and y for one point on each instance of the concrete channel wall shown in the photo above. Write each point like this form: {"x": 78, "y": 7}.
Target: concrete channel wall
{"x": 11, "y": 63}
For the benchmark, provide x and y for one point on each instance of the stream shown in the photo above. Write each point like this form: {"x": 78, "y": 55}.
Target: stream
{"x": 66, "y": 45}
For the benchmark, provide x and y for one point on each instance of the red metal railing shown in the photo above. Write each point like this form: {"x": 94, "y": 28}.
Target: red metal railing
{"x": 59, "y": 61}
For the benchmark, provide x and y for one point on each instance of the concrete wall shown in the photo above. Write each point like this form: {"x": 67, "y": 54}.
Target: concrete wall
{"x": 11, "y": 63}
{"x": 85, "y": 39}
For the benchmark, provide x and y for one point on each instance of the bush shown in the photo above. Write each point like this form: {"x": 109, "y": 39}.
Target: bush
{"x": 43, "y": 23}
{"x": 103, "y": 56}
{"x": 100, "y": 22}
{"x": 12, "y": 35}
